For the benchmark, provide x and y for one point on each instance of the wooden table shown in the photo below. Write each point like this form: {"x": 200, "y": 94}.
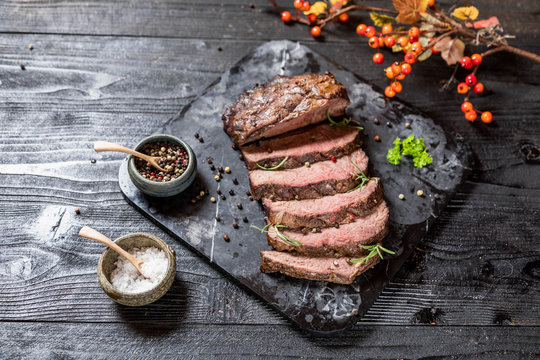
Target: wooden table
{"x": 118, "y": 70}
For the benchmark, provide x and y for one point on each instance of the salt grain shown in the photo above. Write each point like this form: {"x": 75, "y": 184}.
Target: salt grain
{"x": 126, "y": 278}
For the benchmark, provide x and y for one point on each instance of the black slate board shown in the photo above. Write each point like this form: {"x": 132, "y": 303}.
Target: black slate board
{"x": 318, "y": 306}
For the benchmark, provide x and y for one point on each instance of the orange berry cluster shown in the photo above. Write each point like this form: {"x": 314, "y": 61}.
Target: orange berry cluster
{"x": 471, "y": 82}
{"x": 304, "y": 5}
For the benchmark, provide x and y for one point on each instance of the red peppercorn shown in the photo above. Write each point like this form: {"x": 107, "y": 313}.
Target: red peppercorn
{"x": 333, "y": 158}
{"x": 160, "y": 178}
{"x": 333, "y": 218}
{"x": 351, "y": 217}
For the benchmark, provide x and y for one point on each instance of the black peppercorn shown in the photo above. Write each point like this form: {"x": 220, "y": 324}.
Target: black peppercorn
{"x": 218, "y": 192}
{"x": 220, "y": 169}
{"x": 250, "y": 198}
{"x": 231, "y": 192}
{"x": 93, "y": 161}
{"x": 222, "y": 197}
{"x": 235, "y": 181}
{"x": 212, "y": 168}
{"x": 239, "y": 205}
{"x": 248, "y": 193}
{"x": 245, "y": 219}
{"x": 377, "y": 138}
{"x": 376, "y": 121}
{"x": 241, "y": 157}
{"x": 23, "y": 67}
{"x": 388, "y": 124}
{"x": 235, "y": 225}
{"x": 336, "y": 225}
{"x": 234, "y": 146}
{"x": 218, "y": 219}
{"x": 197, "y": 135}
{"x": 226, "y": 238}
{"x": 209, "y": 159}
{"x": 201, "y": 139}
{"x": 77, "y": 211}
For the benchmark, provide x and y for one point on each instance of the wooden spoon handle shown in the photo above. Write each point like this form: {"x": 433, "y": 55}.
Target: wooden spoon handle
{"x": 89, "y": 233}
{"x": 100, "y": 146}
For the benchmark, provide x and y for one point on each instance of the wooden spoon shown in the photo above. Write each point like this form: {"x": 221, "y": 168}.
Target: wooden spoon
{"x": 107, "y": 146}
{"x": 89, "y": 233}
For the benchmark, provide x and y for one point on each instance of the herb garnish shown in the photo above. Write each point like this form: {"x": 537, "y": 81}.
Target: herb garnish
{"x": 360, "y": 175}
{"x": 282, "y": 236}
{"x": 274, "y": 167}
{"x": 344, "y": 123}
{"x": 373, "y": 250}
{"x": 412, "y": 147}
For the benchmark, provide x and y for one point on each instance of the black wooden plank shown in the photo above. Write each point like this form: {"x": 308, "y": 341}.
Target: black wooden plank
{"x": 189, "y": 341}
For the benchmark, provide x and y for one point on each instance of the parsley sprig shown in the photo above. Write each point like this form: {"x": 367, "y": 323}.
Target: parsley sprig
{"x": 346, "y": 122}
{"x": 274, "y": 167}
{"x": 411, "y": 147}
{"x": 281, "y": 235}
{"x": 360, "y": 175}
{"x": 373, "y": 251}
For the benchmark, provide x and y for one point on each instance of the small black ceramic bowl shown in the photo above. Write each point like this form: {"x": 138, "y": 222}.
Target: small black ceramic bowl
{"x": 166, "y": 188}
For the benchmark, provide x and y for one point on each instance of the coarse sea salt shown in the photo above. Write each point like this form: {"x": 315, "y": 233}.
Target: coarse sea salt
{"x": 127, "y": 279}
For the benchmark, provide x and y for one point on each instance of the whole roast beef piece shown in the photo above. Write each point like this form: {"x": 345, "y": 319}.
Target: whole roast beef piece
{"x": 346, "y": 240}
{"x": 319, "y": 179}
{"x": 284, "y": 104}
{"x": 336, "y": 270}
{"x": 326, "y": 211}
{"x": 311, "y": 144}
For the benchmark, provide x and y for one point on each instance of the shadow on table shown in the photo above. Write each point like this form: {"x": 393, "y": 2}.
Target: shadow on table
{"x": 160, "y": 317}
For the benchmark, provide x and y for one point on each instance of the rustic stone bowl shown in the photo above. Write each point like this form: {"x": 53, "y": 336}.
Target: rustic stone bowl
{"x": 167, "y": 188}
{"x": 127, "y": 242}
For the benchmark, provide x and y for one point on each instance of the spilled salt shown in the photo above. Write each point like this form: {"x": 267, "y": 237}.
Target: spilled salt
{"x": 126, "y": 278}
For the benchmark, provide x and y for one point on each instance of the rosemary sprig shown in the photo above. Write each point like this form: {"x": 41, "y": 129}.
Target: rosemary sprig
{"x": 282, "y": 236}
{"x": 274, "y": 167}
{"x": 344, "y": 123}
{"x": 373, "y": 250}
{"x": 360, "y": 175}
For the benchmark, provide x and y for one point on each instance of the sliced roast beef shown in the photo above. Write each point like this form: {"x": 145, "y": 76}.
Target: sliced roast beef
{"x": 312, "y": 144}
{"x": 326, "y": 211}
{"x": 319, "y": 179}
{"x": 336, "y": 270}
{"x": 345, "y": 240}
{"x": 284, "y": 104}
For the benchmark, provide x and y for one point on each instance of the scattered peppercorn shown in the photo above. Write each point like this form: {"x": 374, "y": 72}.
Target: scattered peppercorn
{"x": 235, "y": 181}
{"x": 216, "y": 178}
{"x": 93, "y": 161}
{"x": 250, "y": 198}
{"x": 355, "y": 312}
{"x": 193, "y": 201}
{"x": 333, "y": 158}
{"x": 234, "y": 146}
{"x": 218, "y": 219}
{"x": 30, "y": 47}
{"x": 241, "y": 157}
{"x": 173, "y": 158}
{"x": 420, "y": 192}
{"x": 201, "y": 192}
{"x": 226, "y": 238}
{"x": 77, "y": 211}
{"x": 252, "y": 6}
{"x": 351, "y": 217}
{"x": 314, "y": 230}
{"x": 239, "y": 206}
{"x": 213, "y": 199}
{"x": 219, "y": 48}
{"x": 336, "y": 263}
{"x": 23, "y": 67}
{"x": 228, "y": 170}
{"x": 220, "y": 169}
{"x": 209, "y": 160}
{"x": 336, "y": 225}
{"x": 231, "y": 192}
{"x": 248, "y": 193}
{"x": 306, "y": 164}
{"x": 436, "y": 196}
{"x": 296, "y": 197}
{"x": 212, "y": 168}
{"x": 376, "y": 121}
{"x": 222, "y": 197}
{"x": 272, "y": 197}
{"x": 408, "y": 125}
{"x": 198, "y": 197}
{"x": 401, "y": 196}
{"x": 235, "y": 225}
{"x": 201, "y": 140}
{"x": 245, "y": 219}
{"x": 377, "y": 138}
{"x": 197, "y": 135}
{"x": 218, "y": 191}
{"x": 388, "y": 124}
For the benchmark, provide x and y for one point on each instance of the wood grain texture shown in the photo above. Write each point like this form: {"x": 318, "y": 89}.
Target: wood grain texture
{"x": 118, "y": 70}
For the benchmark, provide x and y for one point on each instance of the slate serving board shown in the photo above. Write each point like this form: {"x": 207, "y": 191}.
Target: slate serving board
{"x": 318, "y": 306}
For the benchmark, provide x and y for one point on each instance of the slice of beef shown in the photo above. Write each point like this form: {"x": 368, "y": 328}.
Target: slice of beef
{"x": 326, "y": 211}
{"x": 346, "y": 240}
{"x": 319, "y": 179}
{"x": 284, "y": 104}
{"x": 312, "y": 144}
{"x": 336, "y": 270}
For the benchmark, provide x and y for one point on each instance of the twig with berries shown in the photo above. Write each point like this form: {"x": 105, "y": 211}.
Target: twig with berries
{"x": 431, "y": 32}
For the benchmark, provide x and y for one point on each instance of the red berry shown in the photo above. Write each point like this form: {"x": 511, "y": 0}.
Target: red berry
{"x": 370, "y": 31}
{"x": 466, "y": 63}
{"x": 344, "y": 17}
{"x": 361, "y": 29}
{"x": 466, "y": 107}
{"x": 333, "y": 158}
{"x": 410, "y": 58}
{"x": 389, "y": 92}
{"x": 316, "y": 31}
{"x": 476, "y": 59}
{"x": 432, "y": 48}
{"x": 298, "y": 4}
{"x": 390, "y": 41}
{"x": 470, "y": 79}
{"x": 378, "y": 58}
{"x": 413, "y": 39}
{"x": 387, "y": 28}
{"x": 286, "y": 16}
{"x": 312, "y": 18}
{"x": 406, "y": 69}
{"x": 478, "y": 88}
{"x": 400, "y": 77}
{"x": 462, "y": 88}
{"x": 403, "y": 41}
{"x": 486, "y": 117}
{"x": 397, "y": 87}
{"x": 306, "y": 6}
{"x": 351, "y": 217}
{"x": 396, "y": 68}
{"x": 389, "y": 72}
{"x": 416, "y": 48}
{"x": 431, "y": 3}
{"x": 470, "y": 116}
{"x": 373, "y": 42}
{"x": 414, "y": 32}
{"x": 160, "y": 178}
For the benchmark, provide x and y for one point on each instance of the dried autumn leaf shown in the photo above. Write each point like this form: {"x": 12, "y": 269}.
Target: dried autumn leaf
{"x": 409, "y": 10}
{"x": 380, "y": 20}
{"x": 338, "y": 4}
{"x": 317, "y": 8}
{"x": 451, "y": 49}
{"x": 466, "y": 13}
